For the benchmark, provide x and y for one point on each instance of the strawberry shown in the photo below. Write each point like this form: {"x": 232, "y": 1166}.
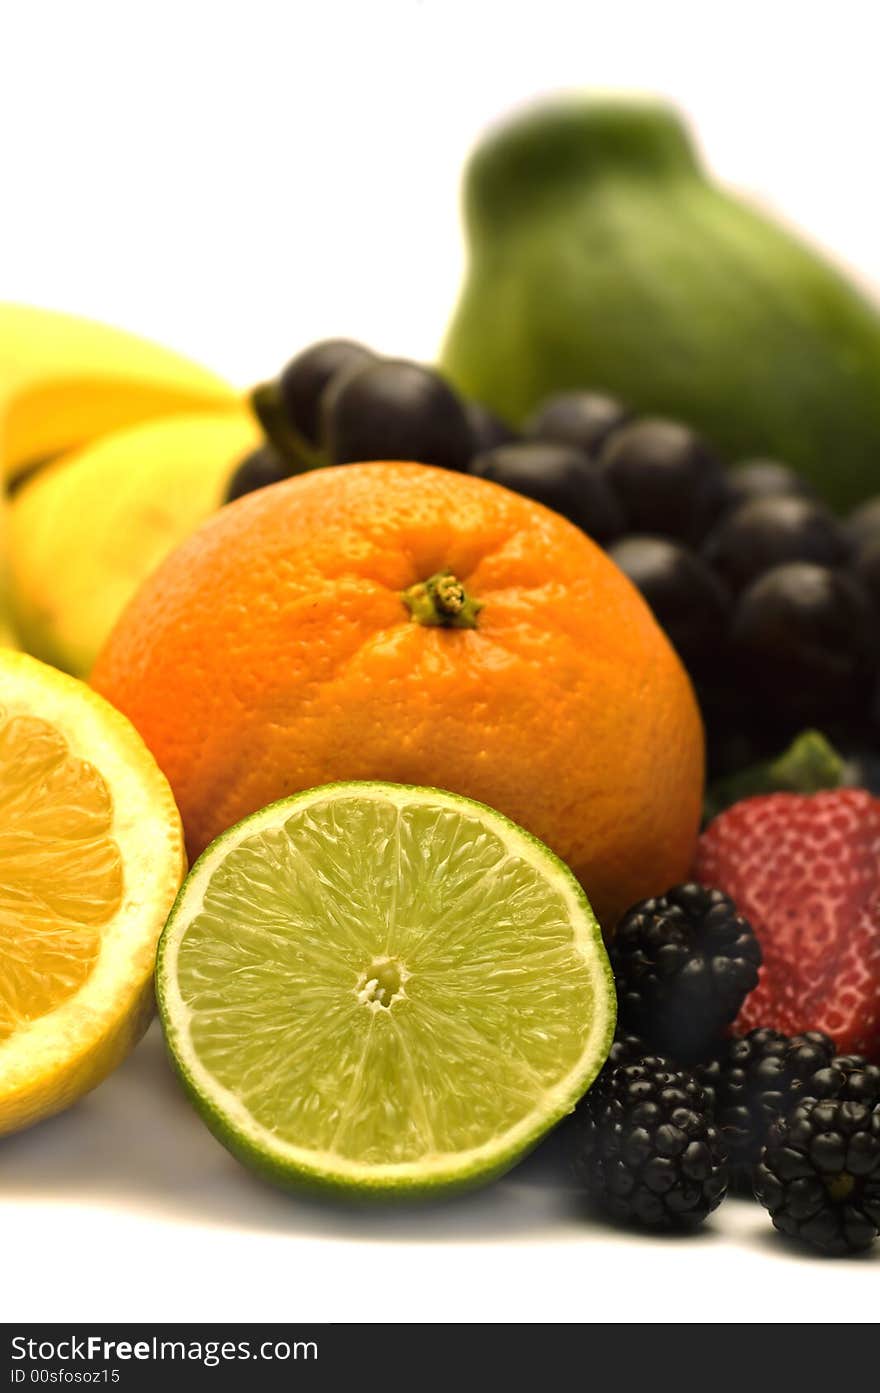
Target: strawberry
{"x": 805, "y": 872}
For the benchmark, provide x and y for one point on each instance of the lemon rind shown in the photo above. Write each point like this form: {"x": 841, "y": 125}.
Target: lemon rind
{"x": 41, "y": 1064}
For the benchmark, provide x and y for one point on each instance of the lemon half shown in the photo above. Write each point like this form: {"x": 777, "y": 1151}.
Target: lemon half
{"x": 91, "y": 857}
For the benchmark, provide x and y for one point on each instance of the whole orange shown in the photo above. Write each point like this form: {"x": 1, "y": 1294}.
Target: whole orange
{"x": 293, "y": 641}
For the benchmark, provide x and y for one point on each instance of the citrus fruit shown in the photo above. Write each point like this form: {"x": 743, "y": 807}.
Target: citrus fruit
{"x": 383, "y": 989}
{"x": 85, "y": 531}
{"x": 394, "y": 621}
{"x": 91, "y": 855}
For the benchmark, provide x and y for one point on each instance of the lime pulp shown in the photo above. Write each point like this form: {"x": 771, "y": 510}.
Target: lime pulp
{"x": 383, "y": 989}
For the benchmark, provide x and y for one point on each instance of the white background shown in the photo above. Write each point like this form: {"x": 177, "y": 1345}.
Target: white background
{"x": 236, "y": 180}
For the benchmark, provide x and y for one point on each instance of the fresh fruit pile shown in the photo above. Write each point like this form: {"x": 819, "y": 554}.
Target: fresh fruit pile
{"x": 788, "y": 1102}
{"x": 422, "y": 637}
{"x": 728, "y": 995}
{"x": 370, "y": 620}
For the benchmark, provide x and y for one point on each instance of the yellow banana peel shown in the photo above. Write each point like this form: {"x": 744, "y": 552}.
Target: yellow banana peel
{"x": 87, "y": 529}
{"x": 65, "y": 381}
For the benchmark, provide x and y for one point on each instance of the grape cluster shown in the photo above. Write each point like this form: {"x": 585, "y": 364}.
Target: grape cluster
{"x": 337, "y": 402}
{"x": 770, "y": 600}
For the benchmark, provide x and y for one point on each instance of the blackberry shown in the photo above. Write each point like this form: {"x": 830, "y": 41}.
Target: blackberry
{"x": 819, "y": 1174}
{"x": 626, "y": 1049}
{"x": 752, "y": 1080}
{"x": 847, "y": 1077}
{"x": 647, "y": 1150}
{"x": 683, "y": 964}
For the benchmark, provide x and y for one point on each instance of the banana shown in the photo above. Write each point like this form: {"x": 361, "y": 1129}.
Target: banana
{"x": 87, "y": 529}
{"x": 65, "y": 380}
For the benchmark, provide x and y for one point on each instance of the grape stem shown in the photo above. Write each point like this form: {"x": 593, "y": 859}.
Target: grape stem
{"x": 294, "y": 450}
{"x": 441, "y": 601}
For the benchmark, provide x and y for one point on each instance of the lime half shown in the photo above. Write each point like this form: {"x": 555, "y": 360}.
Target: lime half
{"x": 383, "y": 989}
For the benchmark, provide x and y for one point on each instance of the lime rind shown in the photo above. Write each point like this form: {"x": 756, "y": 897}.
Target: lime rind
{"x": 261, "y": 1144}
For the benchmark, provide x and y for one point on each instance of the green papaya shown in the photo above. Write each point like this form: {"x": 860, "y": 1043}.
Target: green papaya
{"x": 601, "y": 256}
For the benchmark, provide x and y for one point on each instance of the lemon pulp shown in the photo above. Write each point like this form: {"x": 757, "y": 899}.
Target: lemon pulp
{"x": 60, "y": 870}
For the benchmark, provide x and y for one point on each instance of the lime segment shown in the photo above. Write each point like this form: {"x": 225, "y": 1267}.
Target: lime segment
{"x": 378, "y": 987}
